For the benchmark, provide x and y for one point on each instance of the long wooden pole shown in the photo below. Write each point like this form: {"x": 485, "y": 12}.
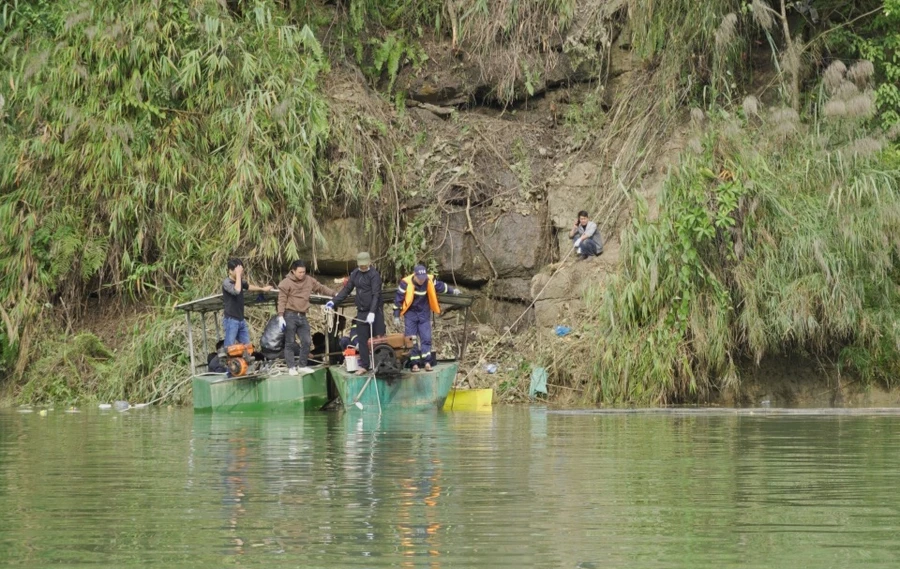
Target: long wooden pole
{"x": 190, "y": 335}
{"x": 465, "y": 343}
{"x": 327, "y": 358}
{"x": 205, "y": 343}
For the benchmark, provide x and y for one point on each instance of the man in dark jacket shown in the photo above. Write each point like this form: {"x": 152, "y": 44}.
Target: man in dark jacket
{"x": 214, "y": 362}
{"x": 416, "y": 300}
{"x": 293, "y": 303}
{"x": 369, "y": 310}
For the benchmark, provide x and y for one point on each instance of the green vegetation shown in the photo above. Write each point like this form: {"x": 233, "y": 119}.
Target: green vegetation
{"x": 502, "y": 36}
{"x": 70, "y": 370}
{"x": 385, "y": 35}
{"x": 777, "y": 236}
{"x": 774, "y": 235}
{"x": 691, "y": 46}
{"x": 144, "y": 142}
{"x": 878, "y": 42}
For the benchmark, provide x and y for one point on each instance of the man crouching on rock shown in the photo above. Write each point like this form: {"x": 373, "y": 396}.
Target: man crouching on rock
{"x": 585, "y": 238}
{"x": 293, "y": 303}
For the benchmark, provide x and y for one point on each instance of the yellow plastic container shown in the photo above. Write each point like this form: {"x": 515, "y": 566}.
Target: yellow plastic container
{"x": 469, "y": 399}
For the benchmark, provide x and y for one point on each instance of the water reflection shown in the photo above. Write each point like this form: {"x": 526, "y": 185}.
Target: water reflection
{"x": 515, "y": 487}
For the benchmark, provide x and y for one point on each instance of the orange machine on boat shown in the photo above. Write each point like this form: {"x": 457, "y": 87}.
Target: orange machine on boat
{"x": 240, "y": 356}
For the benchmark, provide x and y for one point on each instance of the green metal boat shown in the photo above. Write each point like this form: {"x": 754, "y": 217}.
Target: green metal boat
{"x": 406, "y": 391}
{"x": 263, "y": 386}
{"x": 393, "y": 386}
{"x": 263, "y": 392}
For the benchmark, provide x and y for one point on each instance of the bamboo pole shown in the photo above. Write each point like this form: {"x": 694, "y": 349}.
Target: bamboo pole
{"x": 190, "y": 335}
{"x": 205, "y": 343}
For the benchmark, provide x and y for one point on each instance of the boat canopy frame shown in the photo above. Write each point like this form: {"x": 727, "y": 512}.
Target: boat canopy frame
{"x": 214, "y": 304}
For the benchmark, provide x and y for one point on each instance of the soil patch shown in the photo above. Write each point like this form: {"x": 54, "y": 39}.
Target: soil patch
{"x": 798, "y": 382}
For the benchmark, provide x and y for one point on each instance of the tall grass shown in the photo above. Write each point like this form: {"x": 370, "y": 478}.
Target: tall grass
{"x": 151, "y": 364}
{"x": 675, "y": 63}
{"x": 692, "y": 47}
{"x": 143, "y": 143}
{"x": 778, "y": 236}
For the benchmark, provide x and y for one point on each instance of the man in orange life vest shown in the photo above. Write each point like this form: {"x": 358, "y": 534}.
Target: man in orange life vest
{"x": 416, "y": 299}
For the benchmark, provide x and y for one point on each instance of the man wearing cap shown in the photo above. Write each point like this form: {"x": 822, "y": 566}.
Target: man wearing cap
{"x": 416, "y": 299}
{"x": 369, "y": 309}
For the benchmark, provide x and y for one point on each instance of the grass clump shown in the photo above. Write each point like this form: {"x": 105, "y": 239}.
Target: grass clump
{"x": 152, "y": 364}
{"x": 65, "y": 369}
{"x": 777, "y": 235}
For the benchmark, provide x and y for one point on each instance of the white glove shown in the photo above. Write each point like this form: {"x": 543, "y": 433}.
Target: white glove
{"x": 329, "y": 305}
{"x": 397, "y": 321}
{"x": 370, "y": 318}
{"x": 577, "y": 244}
{"x": 456, "y": 292}
{"x": 281, "y": 321}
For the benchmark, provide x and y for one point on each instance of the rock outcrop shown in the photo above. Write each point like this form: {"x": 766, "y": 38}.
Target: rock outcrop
{"x": 558, "y": 290}
{"x": 505, "y": 247}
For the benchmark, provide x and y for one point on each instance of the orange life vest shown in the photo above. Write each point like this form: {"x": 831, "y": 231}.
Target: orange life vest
{"x": 411, "y": 291}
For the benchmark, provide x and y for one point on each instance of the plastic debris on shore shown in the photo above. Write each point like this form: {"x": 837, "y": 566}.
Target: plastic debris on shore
{"x": 538, "y": 382}
{"x": 561, "y": 330}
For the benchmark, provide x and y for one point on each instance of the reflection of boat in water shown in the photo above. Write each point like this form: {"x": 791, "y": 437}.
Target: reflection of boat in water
{"x": 397, "y": 422}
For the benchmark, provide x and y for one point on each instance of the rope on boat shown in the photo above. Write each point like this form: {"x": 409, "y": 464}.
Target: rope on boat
{"x": 330, "y": 321}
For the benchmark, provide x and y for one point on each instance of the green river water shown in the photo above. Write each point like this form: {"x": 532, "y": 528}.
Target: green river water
{"x": 516, "y": 487}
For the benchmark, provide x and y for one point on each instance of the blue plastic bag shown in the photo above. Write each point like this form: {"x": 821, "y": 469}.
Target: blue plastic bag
{"x": 562, "y": 330}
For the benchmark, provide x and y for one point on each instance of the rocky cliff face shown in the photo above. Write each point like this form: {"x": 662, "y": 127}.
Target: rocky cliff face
{"x": 503, "y": 182}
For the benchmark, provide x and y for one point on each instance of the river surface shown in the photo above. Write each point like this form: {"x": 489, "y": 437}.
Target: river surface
{"x": 516, "y": 487}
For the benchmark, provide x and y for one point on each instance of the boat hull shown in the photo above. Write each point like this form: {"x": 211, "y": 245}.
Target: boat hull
{"x": 217, "y": 393}
{"x": 410, "y": 391}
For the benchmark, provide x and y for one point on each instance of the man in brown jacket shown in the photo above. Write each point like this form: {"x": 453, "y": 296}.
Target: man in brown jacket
{"x": 293, "y": 302}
